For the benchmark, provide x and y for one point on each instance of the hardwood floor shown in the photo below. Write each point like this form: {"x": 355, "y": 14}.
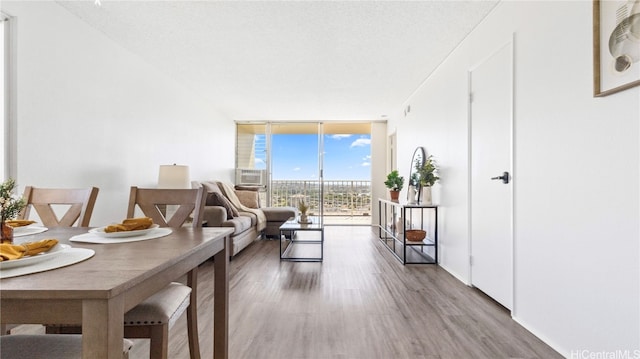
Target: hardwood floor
{"x": 359, "y": 303}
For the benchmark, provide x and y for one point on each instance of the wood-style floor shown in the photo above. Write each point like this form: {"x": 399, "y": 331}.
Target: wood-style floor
{"x": 360, "y": 302}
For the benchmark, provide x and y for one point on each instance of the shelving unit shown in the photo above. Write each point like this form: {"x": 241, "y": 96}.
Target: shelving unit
{"x": 391, "y": 230}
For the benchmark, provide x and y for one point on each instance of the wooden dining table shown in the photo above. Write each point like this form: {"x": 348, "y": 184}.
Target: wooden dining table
{"x": 98, "y": 292}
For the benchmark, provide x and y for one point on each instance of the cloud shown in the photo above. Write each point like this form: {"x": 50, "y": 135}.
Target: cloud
{"x": 296, "y": 169}
{"x": 361, "y": 142}
{"x": 339, "y": 136}
{"x": 365, "y": 164}
{"x": 366, "y": 158}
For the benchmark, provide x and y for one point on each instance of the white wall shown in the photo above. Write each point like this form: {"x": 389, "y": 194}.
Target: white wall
{"x": 576, "y": 177}
{"x": 378, "y": 166}
{"x": 90, "y": 113}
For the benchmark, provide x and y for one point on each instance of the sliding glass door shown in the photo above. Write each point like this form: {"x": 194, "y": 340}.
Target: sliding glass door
{"x": 347, "y": 173}
{"x": 296, "y": 172}
{"x": 325, "y": 164}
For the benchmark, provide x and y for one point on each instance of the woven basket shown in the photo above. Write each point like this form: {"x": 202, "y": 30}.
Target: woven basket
{"x": 415, "y": 235}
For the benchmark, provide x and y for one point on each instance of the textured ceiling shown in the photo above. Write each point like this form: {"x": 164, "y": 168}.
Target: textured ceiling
{"x": 291, "y": 60}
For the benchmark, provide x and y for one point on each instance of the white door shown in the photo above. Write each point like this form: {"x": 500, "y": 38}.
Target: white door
{"x": 491, "y": 198}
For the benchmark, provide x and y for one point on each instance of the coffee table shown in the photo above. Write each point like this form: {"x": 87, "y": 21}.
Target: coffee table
{"x": 298, "y": 243}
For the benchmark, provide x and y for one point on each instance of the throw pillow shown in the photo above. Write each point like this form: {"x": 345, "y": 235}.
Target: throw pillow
{"x": 216, "y": 199}
{"x": 211, "y": 187}
{"x": 249, "y": 198}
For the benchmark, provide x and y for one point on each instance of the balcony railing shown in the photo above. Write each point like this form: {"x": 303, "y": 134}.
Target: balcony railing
{"x": 341, "y": 197}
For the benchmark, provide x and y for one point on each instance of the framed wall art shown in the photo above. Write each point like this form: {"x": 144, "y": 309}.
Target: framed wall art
{"x": 616, "y": 46}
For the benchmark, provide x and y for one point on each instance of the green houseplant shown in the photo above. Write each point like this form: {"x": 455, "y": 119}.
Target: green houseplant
{"x": 428, "y": 172}
{"x": 10, "y": 206}
{"x": 428, "y": 176}
{"x": 394, "y": 183}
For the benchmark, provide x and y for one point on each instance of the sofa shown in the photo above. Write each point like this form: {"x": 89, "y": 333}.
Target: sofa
{"x": 240, "y": 208}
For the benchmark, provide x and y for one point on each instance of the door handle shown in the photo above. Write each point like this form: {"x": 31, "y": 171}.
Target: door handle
{"x": 504, "y": 177}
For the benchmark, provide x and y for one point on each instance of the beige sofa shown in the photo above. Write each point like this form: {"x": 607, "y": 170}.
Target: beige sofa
{"x": 240, "y": 209}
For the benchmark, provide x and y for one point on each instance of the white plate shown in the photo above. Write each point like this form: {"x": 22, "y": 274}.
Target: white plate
{"x": 53, "y": 252}
{"x": 100, "y": 231}
{"x": 28, "y": 230}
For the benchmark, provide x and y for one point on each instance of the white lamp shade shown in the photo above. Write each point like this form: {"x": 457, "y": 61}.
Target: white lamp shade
{"x": 174, "y": 177}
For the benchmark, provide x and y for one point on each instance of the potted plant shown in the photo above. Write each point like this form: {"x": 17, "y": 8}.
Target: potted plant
{"x": 10, "y": 206}
{"x": 428, "y": 177}
{"x": 303, "y": 207}
{"x": 394, "y": 183}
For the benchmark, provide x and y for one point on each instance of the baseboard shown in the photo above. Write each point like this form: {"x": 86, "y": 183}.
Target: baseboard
{"x": 529, "y": 328}
{"x": 455, "y": 275}
{"x": 542, "y": 337}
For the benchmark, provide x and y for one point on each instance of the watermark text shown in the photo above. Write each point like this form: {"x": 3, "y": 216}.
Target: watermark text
{"x": 613, "y": 354}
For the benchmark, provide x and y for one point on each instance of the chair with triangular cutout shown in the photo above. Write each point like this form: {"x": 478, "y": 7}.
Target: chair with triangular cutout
{"x": 153, "y": 317}
{"x": 77, "y": 205}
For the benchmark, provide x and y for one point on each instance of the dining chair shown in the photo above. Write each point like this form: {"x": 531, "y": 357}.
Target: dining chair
{"x": 50, "y": 346}
{"x": 77, "y": 205}
{"x": 153, "y": 317}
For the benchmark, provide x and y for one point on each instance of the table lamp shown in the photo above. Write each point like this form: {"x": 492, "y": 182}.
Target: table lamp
{"x": 173, "y": 176}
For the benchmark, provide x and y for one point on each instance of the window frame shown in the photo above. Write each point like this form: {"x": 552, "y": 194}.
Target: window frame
{"x": 9, "y": 24}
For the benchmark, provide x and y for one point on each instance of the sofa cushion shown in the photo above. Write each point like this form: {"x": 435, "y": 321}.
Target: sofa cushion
{"x": 252, "y": 217}
{"x": 239, "y": 224}
{"x": 217, "y": 199}
{"x": 230, "y": 193}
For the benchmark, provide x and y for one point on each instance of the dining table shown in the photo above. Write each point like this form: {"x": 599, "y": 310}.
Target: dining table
{"x": 98, "y": 291}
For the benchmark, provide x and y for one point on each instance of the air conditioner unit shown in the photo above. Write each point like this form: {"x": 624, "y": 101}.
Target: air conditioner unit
{"x": 251, "y": 177}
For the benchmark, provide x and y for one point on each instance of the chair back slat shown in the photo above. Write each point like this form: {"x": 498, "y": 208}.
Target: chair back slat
{"x": 77, "y": 205}
{"x": 153, "y": 203}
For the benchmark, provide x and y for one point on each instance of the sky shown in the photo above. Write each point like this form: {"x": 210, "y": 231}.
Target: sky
{"x": 346, "y": 157}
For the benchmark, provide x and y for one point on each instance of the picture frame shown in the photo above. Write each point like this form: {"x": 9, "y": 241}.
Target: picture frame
{"x": 616, "y": 46}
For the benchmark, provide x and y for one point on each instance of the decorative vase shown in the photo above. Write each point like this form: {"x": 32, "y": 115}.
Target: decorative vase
{"x": 7, "y": 233}
{"x": 399, "y": 225}
{"x": 394, "y": 195}
{"x": 426, "y": 196}
{"x": 412, "y": 195}
{"x": 304, "y": 218}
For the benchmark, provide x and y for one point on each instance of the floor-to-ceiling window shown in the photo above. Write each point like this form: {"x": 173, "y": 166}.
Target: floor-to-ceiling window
{"x": 347, "y": 173}
{"x": 296, "y": 172}
{"x": 325, "y": 164}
